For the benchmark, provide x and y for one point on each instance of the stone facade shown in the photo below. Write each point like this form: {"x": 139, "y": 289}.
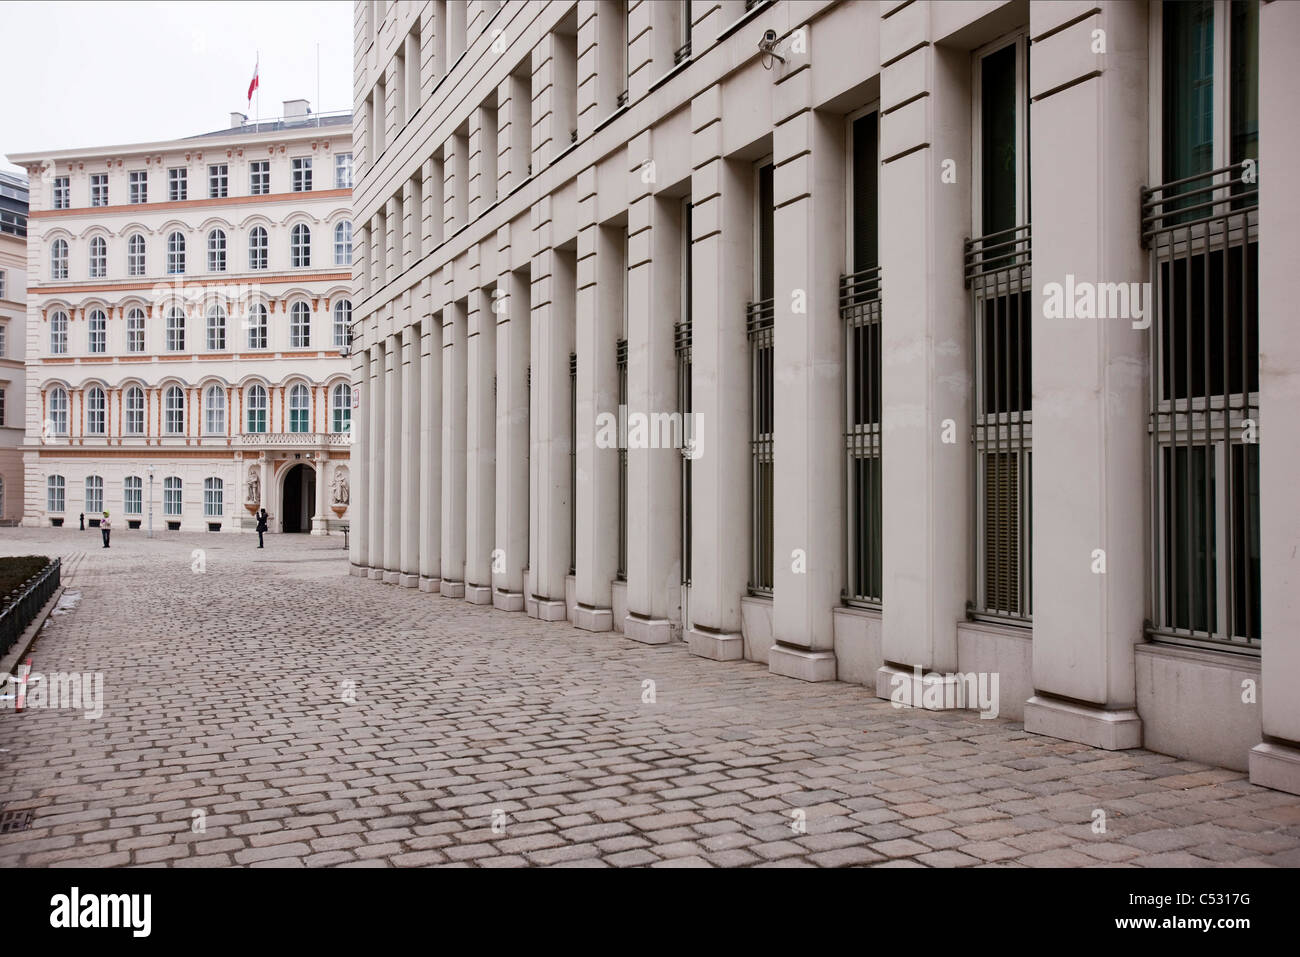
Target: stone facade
{"x": 187, "y": 344}
{"x": 567, "y": 207}
{"x": 13, "y": 343}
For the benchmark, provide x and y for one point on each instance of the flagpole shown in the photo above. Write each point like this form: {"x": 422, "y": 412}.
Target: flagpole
{"x": 257, "y": 74}
{"x": 318, "y": 106}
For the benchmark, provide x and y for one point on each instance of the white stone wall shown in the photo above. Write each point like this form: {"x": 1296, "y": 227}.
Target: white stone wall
{"x": 538, "y": 254}
{"x": 13, "y": 375}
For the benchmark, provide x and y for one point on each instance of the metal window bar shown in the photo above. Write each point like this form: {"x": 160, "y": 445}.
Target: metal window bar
{"x": 682, "y": 346}
{"x": 997, "y": 272}
{"x": 860, "y": 308}
{"x": 1202, "y": 233}
{"x": 620, "y": 356}
{"x": 758, "y": 324}
{"x": 573, "y": 463}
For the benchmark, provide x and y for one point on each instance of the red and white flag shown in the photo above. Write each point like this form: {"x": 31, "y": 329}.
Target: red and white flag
{"x": 253, "y": 86}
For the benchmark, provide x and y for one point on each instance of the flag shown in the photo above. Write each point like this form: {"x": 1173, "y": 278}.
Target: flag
{"x": 253, "y": 86}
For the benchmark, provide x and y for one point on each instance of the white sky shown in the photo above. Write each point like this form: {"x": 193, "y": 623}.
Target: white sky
{"x": 104, "y": 74}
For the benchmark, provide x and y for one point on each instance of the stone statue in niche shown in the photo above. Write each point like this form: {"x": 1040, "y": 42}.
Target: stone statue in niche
{"x": 339, "y": 493}
{"x": 253, "y": 490}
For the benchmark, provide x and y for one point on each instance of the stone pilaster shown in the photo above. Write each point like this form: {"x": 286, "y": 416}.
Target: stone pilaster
{"x": 512, "y": 339}
{"x": 454, "y": 323}
{"x": 480, "y": 439}
{"x": 410, "y": 518}
{"x": 393, "y": 459}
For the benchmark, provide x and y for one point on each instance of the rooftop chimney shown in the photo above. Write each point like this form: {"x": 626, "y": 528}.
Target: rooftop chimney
{"x": 296, "y": 108}
{"x": 238, "y": 119}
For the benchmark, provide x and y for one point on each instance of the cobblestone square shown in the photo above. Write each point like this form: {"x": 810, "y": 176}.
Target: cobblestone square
{"x": 264, "y": 708}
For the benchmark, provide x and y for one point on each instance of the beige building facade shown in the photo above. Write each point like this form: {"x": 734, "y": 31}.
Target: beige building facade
{"x": 188, "y": 321}
{"x": 910, "y": 344}
{"x": 13, "y": 342}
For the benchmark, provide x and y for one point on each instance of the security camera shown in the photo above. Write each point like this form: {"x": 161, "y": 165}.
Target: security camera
{"x": 767, "y": 47}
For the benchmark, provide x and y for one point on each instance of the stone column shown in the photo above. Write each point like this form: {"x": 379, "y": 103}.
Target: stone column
{"x": 393, "y": 460}
{"x": 359, "y": 537}
{"x": 412, "y": 412}
{"x": 654, "y": 303}
{"x": 430, "y": 448}
{"x": 512, "y": 339}
{"x": 925, "y": 348}
{"x": 480, "y": 480}
{"x": 600, "y": 320}
{"x": 1089, "y": 379}
{"x": 454, "y": 324}
{"x": 322, "y": 505}
{"x": 375, "y": 398}
{"x": 808, "y": 369}
{"x": 722, "y": 282}
{"x": 552, "y": 341}
{"x": 1275, "y": 762}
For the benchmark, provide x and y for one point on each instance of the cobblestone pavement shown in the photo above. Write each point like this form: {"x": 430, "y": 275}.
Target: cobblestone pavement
{"x": 226, "y": 692}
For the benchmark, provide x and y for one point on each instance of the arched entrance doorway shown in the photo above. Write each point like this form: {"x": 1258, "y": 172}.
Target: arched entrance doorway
{"x": 299, "y": 499}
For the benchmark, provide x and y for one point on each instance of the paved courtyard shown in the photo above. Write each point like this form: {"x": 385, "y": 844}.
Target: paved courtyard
{"x": 264, "y": 708}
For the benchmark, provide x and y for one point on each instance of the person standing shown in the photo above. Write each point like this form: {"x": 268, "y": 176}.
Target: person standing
{"x": 261, "y": 526}
{"x": 104, "y": 528}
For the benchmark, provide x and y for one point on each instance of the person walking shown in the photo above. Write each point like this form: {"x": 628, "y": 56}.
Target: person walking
{"x": 261, "y": 527}
{"x": 105, "y": 528}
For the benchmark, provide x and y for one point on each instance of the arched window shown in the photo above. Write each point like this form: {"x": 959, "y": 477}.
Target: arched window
{"x": 58, "y": 333}
{"x": 174, "y": 411}
{"x": 175, "y": 253}
{"x": 175, "y": 329}
{"x": 257, "y": 409}
{"x": 299, "y": 326}
{"x": 96, "y": 411}
{"x": 98, "y": 258}
{"x": 172, "y": 495}
{"x": 55, "y": 491}
{"x": 135, "y": 255}
{"x": 135, "y": 330}
{"x": 341, "y": 408}
{"x": 343, "y": 244}
{"x": 257, "y": 326}
{"x": 217, "y": 250}
{"x": 94, "y": 494}
{"x": 257, "y": 246}
{"x": 343, "y": 324}
{"x": 300, "y": 246}
{"x": 216, "y": 329}
{"x": 214, "y": 410}
{"x": 213, "y": 496}
{"x": 299, "y": 408}
{"x": 57, "y": 412}
{"x": 134, "y": 409}
{"x": 132, "y": 494}
{"x": 97, "y": 331}
{"x": 59, "y": 261}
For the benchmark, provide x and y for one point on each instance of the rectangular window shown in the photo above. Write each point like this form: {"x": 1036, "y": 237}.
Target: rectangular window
{"x": 62, "y": 193}
{"x": 860, "y": 308}
{"x": 132, "y": 495}
{"x": 138, "y": 186}
{"x": 4, "y": 339}
{"x": 213, "y": 496}
{"x": 4, "y": 277}
{"x": 98, "y": 189}
{"x": 135, "y": 331}
{"x": 343, "y": 171}
{"x": 218, "y": 181}
{"x": 177, "y": 185}
{"x": 997, "y": 269}
{"x": 259, "y": 178}
{"x": 759, "y": 327}
{"x": 301, "y": 174}
{"x": 172, "y": 496}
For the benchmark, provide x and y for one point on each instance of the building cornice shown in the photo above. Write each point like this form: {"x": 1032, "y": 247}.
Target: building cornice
{"x": 138, "y": 208}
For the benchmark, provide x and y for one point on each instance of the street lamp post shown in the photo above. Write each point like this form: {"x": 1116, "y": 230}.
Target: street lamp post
{"x": 151, "y": 501}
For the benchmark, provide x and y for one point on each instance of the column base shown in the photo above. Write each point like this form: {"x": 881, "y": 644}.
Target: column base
{"x": 800, "y": 663}
{"x": 508, "y": 600}
{"x": 430, "y": 584}
{"x": 1275, "y": 766}
{"x": 318, "y": 527}
{"x": 648, "y": 631}
{"x": 377, "y": 574}
{"x": 478, "y": 594}
{"x": 546, "y": 609}
{"x": 451, "y": 589}
{"x": 358, "y": 570}
{"x": 408, "y": 581}
{"x": 390, "y": 578}
{"x": 718, "y": 645}
{"x": 1116, "y": 730}
{"x": 593, "y": 619}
